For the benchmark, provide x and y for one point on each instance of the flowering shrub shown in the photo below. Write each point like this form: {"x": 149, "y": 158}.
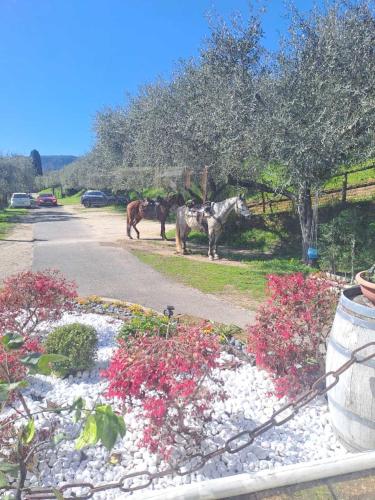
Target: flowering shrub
{"x": 28, "y": 298}
{"x": 164, "y": 378}
{"x": 288, "y": 336}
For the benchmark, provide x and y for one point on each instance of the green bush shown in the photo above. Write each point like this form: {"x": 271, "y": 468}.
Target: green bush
{"x": 347, "y": 242}
{"x": 75, "y": 341}
{"x": 146, "y": 324}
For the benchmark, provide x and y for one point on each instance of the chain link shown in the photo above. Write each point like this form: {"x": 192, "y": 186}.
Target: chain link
{"x": 233, "y": 445}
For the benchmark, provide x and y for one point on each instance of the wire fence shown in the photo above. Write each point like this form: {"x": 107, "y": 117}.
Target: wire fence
{"x": 342, "y": 194}
{"x": 195, "y": 462}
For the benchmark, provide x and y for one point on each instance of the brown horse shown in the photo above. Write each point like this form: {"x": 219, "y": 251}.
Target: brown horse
{"x": 152, "y": 209}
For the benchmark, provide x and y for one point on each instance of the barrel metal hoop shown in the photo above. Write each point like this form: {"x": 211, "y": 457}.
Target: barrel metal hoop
{"x": 347, "y": 353}
{"x": 346, "y": 442}
{"x": 355, "y": 308}
{"x": 350, "y": 414}
{"x": 356, "y": 320}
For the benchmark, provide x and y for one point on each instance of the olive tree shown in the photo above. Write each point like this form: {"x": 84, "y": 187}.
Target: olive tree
{"x": 16, "y": 174}
{"x": 318, "y": 104}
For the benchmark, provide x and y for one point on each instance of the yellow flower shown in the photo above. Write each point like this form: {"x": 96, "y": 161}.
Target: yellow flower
{"x": 82, "y": 300}
{"x": 136, "y": 308}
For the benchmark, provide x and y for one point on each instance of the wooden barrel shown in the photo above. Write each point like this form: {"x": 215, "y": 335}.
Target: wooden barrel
{"x": 352, "y": 400}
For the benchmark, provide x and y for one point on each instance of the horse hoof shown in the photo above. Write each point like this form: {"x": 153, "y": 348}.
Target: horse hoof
{"x": 130, "y": 237}
{"x": 216, "y": 257}
{"x": 210, "y": 257}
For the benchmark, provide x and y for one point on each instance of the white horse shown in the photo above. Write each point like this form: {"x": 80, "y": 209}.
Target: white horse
{"x": 211, "y": 222}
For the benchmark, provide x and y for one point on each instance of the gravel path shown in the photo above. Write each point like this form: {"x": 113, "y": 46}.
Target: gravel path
{"x": 16, "y": 251}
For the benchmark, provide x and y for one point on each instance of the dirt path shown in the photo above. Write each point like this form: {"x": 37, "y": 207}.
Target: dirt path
{"x": 110, "y": 227}
{"x": 16, "y": 250}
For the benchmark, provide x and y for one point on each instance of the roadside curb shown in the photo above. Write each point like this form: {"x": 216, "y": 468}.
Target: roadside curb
{"x": 245, "y": 484}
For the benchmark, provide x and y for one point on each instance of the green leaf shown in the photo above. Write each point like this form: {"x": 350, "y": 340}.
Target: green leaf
{"x": 121, "y": 425}
{"x": 77, "y": 405}
{"x": 3, "y": 480}
{"x": 109, "y": 431}
{"x": 109, "y": 425}
{"x": 89, "y": 433}
{"x": 104, "y": 409}
{"x": 31, "y": 360}
{"x": 46, "y": 360}
{"x": 28, "y": 432}
{"x": 12, "y": 340}
{"x": 5, "y": 389}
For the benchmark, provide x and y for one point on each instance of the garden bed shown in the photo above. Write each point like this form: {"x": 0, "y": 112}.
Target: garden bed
{"x": 308, "y": 436}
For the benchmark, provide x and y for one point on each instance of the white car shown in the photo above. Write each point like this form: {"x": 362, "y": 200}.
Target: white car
{"x": 20, "y": 200}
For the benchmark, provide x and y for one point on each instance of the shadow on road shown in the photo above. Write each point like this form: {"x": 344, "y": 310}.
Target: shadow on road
{"x": 47, "y": 216}
{"x": 24, "y": 241}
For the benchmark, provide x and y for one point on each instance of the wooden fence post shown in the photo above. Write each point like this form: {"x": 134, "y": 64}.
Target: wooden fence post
{"x": 263, "y": 203}
{"x": 344, "y": 189}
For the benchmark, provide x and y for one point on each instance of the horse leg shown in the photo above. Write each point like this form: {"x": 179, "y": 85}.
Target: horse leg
{"x": 162, "y": 230}
{"x": 216, "y": 256}
{"x": 210, "y": 245}
{"x": 128, "y": 227}
{"x": 184, "y": 249}
{"x": 178, "y": 238}
{"x": 135, "y": 222}
{"x": 216, "y": 240}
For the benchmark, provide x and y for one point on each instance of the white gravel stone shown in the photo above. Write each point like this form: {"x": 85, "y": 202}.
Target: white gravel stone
{"x": 307, "y": 436}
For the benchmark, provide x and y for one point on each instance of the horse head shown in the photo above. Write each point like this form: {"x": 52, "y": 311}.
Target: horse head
{"x": 175, "y": 200}
{"x": 241, "y": 207}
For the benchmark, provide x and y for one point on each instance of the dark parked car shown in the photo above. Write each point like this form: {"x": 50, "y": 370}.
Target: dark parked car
{"x": 94, "y": 199}
{"x": 46, "y": 199}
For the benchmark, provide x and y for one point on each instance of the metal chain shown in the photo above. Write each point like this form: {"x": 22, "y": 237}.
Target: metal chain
{"x": 195, "y": 462}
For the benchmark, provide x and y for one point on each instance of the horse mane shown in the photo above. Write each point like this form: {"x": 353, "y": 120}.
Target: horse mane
{"x": 175, "y": 199}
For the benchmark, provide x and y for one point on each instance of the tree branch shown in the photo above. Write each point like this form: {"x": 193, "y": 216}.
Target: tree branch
{"x": 260, "y": 187}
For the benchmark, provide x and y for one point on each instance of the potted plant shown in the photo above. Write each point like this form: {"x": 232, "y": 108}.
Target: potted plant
{"x": 366, "y": 280}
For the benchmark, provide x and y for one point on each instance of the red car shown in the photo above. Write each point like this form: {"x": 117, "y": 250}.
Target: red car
{"x": 47, "y": 199}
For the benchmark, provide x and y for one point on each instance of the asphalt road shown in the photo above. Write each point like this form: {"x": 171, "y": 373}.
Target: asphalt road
{"x": 65, "y": 241}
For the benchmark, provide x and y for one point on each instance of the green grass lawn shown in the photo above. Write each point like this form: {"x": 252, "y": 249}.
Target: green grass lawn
{"x": 215, "y": 278}
{"x": 7, "y": 216}
{"x": 250, "y": 239}
{"x": 353, "y": 179}
{"x": 75, "y": 199}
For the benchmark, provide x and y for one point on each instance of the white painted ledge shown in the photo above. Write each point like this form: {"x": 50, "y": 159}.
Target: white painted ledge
{"x": 242, "y": 484}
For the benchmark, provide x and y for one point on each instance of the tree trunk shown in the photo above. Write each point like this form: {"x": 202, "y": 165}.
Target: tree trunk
{"x": 305, "y": 215}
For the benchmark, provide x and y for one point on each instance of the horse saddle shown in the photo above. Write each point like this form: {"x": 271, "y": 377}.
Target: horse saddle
{"x": 199, "y": 211}
{"x": 150, "y": 208}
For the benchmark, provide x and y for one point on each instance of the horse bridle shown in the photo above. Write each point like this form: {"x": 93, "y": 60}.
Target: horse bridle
{"x": 241, "y": 211}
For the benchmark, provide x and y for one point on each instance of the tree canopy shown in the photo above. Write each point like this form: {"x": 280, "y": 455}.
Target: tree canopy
{"x": 282, "y": 122}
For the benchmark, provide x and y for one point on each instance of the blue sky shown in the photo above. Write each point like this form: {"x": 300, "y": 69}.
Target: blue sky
{"x": 63, "y": 60}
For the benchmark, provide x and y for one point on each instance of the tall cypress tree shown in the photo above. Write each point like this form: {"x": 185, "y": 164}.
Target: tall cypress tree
{"x": 37, "y": 162}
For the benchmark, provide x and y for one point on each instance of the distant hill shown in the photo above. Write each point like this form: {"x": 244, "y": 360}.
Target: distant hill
{"x": 56, "y": 162}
